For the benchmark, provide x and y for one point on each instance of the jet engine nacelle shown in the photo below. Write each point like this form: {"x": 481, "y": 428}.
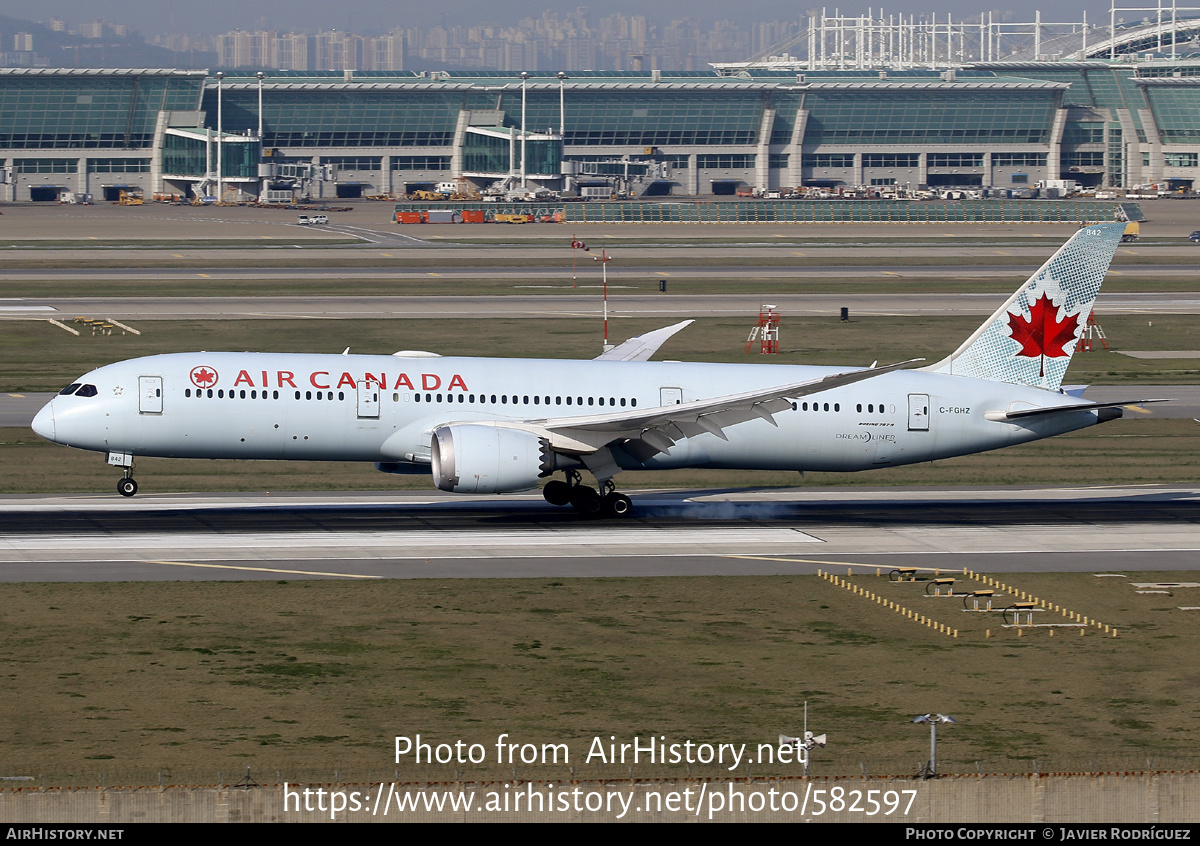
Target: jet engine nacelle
{"x": 472, "y": 458}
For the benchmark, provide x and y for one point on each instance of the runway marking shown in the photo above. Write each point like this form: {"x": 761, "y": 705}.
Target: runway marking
{"x": 265, "y": 570}
{"x": 341, "y": 540}
{"x": 805, "y": 561}
{"x": 203, "y": 275}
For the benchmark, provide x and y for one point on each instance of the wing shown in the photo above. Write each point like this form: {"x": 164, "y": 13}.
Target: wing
{"x": 641, "y": 347}
{"x": 661, "y": 426}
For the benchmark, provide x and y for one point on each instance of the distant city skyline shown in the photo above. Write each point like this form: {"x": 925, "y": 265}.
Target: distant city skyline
{"x": 374, "y": 17}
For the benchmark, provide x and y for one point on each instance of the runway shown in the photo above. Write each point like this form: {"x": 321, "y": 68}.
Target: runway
{"x": 371, "y": 536}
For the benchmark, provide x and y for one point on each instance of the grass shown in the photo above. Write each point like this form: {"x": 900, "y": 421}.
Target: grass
{"x": 308, "y": 678}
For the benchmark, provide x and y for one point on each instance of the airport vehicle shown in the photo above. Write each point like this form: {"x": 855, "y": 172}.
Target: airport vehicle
{"x": 1133, "y": 231}
{"x": 1195, "y": 237}
{"x": 313, "y": 220}
{"x": 492, "y": 425}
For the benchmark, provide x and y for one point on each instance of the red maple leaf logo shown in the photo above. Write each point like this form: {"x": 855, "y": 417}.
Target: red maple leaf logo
{"x": 203, "y": 377}
{"x": 1043, "y": 334}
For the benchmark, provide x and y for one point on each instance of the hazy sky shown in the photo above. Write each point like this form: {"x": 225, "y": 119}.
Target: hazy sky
{"x": 153, "y": 17}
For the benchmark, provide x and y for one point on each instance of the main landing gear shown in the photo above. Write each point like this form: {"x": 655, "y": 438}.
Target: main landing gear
{"x": 589, "y": 502}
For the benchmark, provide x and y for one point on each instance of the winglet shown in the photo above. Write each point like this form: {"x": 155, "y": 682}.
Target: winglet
{"x": 641, "y": 347}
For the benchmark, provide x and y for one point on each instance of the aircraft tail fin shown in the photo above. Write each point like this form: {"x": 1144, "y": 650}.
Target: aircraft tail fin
{"x": 1029, "y": 340}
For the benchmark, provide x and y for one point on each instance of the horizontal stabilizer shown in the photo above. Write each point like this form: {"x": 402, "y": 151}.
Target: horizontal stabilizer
{"x": 1023, "y": 413}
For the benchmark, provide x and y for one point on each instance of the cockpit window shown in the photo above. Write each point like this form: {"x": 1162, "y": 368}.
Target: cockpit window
{"x": 86, "y": 391}
{"x": 69, "y": 389}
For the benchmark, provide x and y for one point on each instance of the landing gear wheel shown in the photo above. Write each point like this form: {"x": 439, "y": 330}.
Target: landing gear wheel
{"x": 557, "y": 493}
{"x": 617, "y": 504}
{"x": 586, "y": 501}
{"x": 126, "y": 487}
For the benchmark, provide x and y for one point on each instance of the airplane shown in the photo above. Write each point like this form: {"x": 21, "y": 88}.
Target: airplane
{"x": 494, "y": 425}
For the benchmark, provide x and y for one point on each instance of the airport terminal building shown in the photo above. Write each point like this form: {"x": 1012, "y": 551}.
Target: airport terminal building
{"x": 356, "y": 133}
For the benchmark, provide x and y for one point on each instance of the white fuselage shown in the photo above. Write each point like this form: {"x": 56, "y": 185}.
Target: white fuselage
{"x": 384, "y": 409}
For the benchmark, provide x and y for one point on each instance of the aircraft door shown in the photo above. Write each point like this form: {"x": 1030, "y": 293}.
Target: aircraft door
{"x": 150, "y": 394}
{"x": 670, "y": 396}
{"x": 918, "y": 412}
{"x": 368, "y": 400}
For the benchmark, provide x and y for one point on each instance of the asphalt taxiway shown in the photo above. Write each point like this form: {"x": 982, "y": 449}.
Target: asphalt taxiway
{"x": 553, "y": 304}
{"x": 372, "y": 536}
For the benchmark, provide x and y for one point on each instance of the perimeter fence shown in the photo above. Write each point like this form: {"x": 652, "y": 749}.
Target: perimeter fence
{"x": 823, "y": 765}
{"x": 1164, "y": 803}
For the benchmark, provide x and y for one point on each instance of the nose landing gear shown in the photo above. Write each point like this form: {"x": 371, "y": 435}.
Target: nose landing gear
{"x": 125, "y": 486}
{"x": 589, "y": 502}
